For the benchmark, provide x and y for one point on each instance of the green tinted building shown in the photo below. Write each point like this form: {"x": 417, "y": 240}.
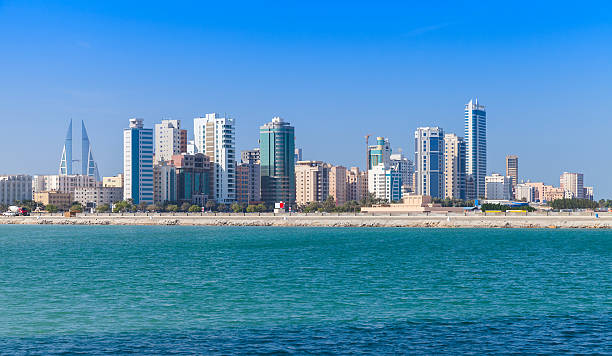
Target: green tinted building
{"x": 277, "y": 156}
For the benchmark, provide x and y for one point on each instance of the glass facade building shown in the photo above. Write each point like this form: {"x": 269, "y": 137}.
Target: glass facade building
{"x": 277, "y": 157}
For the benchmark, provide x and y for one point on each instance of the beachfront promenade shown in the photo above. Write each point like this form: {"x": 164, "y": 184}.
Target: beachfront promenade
{"x": 458, "y": 220}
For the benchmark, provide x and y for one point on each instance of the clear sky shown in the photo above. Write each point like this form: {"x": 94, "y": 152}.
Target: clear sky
{"x": 335, "y": 71}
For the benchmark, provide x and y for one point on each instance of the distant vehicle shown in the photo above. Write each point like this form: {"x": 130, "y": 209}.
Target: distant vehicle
{"x": 16, "y": 211}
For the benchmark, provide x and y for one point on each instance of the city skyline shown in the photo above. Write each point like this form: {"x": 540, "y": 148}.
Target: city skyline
{"x": 407, "y": 81}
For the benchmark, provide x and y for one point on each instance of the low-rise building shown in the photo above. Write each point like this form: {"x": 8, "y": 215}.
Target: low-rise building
{"x": 588, "y": 193}
{"x": 17, "y": 187}
{"x": 194, "y": 178}
{"x": 93, "y": 197}
{"x": 62, "y": 201}
{"x": 498, "y": 187}
{"x": 409, "y": 204}
{"x": 62, "y": 183}
{"x": 525, "y": 192}
{"x": 113, "y": 182}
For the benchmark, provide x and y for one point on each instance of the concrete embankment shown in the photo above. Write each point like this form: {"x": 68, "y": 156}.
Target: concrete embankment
{"x": 470, "y": 220}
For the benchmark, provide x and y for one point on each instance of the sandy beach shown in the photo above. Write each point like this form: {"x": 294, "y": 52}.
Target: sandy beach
{"x": 468, "y": 220}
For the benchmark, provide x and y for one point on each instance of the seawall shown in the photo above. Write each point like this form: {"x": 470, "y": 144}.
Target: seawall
{"x": 468, "y": 220}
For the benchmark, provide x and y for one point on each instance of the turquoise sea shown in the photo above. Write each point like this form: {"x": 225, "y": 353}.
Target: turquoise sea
{"x": 262, "y": 290}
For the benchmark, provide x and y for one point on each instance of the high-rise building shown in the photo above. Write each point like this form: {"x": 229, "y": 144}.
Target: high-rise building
{"x": 138, "y": 163}
{"x": 164, "y": 182}
{"x": 215, "y": 137}
{"x": 385, "y": 183}
{"x": 429, "y": 161}
{"x": 475, "y": 149}
{"x": 17, "y": 187}
{"x": 337, "y": 184}
{"x": 248, "y": 177}
{"x": 298, "y": 154}
{"x": 194, "y": 183}
{"x": 498, "y": 187}
{"x": 168, "y": 140}
{"x": 454, "y": 167}
{"x": 379, "y": 153}
{"x": 405, "y": 167}
{"x": 88, "y": 165}
{"x": 66, "y": 159}
{"x": 311, "y": 182}
{"x": 512, "y": 169}
{"x": 277, "y": 154}
{"x": 183, "y": 141}
{"x": 356, "y": 184}
{"x": 573, "y": 185}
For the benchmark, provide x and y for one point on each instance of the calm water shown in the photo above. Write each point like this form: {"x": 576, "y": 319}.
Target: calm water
{"x": 71, "y": 289}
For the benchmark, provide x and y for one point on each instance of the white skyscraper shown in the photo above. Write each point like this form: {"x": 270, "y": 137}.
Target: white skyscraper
{"x": 573, "y": 185}
{"x": 429, "y": 161}
{"x": 138, "y": 163}
{"x": 215, "y": 137}
{"x": 167, "y": 140}
{"x": 475, "y": 149}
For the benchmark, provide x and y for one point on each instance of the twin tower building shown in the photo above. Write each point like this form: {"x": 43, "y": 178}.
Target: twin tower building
{"x": 88, "y": 165}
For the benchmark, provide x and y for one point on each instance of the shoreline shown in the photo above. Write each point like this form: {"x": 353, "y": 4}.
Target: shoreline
{"x": 578, "y": 221}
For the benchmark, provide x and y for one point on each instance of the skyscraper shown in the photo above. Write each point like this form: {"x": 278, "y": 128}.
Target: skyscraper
{"x": 138, "y": 163}
{"x": 405, "y": 167}
{"x": 476, "y": 149}
{"x": 512, "y": 169}
{"x": 277, "y": 155}
{"x": 429, "y": 161}
{"x": 88, "y": 165}
{"x": 215, "y": 137}
{"x": 454, "y": 167}
{"x": 65, "y": 168}
{"x": 168, "y": 140}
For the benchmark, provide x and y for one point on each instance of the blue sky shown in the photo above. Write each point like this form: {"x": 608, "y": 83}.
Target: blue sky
{"x": 335, "y": 71}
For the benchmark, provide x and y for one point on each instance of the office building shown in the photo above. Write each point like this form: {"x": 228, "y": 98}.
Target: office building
{"x": 277, "y": 154}
{"x": 168, "y": 140}
{"x": 138, "y": 163}
{"x": 429, "y": 161}
{"x": 454, "y": 167}
{"x": 194, "y": 178}
{"x": 512, "y": 169}
{"x": 66, "y": 160}
{"x": 475, "y": 149}
{"x": 13, "y": 188}
{"x": 573, "y": 185}
{"x": 311, "y": 182}
{"x": 498, "y": 187}
{"x": 215, "y": 137}
{"x": 88, "y": 165}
